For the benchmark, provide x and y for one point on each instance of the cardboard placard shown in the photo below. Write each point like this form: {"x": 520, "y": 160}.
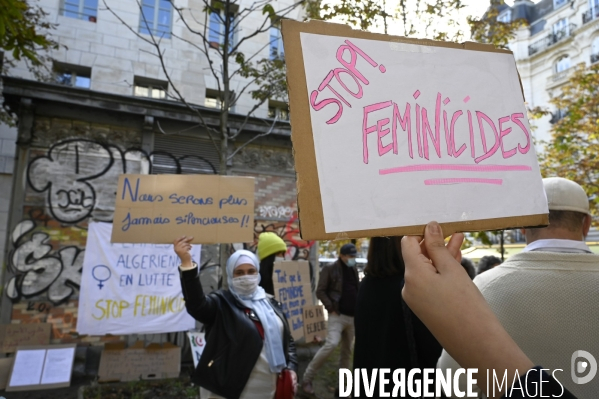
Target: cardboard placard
{"x": 41, "y": 367}
{"x": 291, "y": 280}
{"x": 159, "y": 208}
{"x": 405, "y": 131}
{"x": 138, "y": 362}
{"x": 15, "y": 335}
{"x": 198, "y": 343}
{"x": 314, "y": 323}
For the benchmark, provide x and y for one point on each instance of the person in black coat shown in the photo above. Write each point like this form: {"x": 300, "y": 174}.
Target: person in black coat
{"x": 248, "y": 340}
{"x": 388, "y": 334}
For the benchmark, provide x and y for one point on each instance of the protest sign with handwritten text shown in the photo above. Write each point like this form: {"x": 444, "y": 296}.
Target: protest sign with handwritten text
{"x": 314, "y": 323}
{"x": 291, "y": 280}
{"x": 404, "y": 131}
{"x": 130, "y": 288}
{"x": 14, "y": 335}
{"x": 159, "y": 208}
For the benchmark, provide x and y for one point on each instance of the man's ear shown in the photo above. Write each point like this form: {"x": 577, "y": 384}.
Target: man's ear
{"x": 586, "y": 225}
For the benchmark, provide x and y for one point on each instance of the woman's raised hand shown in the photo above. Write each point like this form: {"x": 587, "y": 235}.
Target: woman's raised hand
{"x": 182, "y": 246}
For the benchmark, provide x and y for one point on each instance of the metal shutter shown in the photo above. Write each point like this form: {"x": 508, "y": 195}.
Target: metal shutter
{"x": 193, "y": 155}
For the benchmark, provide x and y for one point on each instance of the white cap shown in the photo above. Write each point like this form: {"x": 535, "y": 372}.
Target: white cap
{"x": 565, "y": 195}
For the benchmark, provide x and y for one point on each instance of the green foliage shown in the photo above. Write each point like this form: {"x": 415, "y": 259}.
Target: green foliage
{"x": 433, "y": 19}
{"x": 573, "y": 151}
{"x": 20, "y": 26}
{"x": 358, "y": 13}
{"x": 172, "y": 388}
{"x": 22, "y": 36}
{"x": 488, "y": 29}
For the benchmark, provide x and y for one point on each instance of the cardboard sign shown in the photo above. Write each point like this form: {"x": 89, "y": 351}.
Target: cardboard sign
{"x": 291, "y": 280}
{"x": 159, "y": 208}
{"x": 14, "y": 335}
{"x": 130, "y": 288}
{"x": 314, "y": 323}
{"x": 41, "y": 367}
{"x": 138, "y": 362}
{"x": 197, "y": 341}
{"x": 405, "y": 131}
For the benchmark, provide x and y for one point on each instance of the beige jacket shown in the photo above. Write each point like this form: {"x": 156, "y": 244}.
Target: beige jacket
{"x": 549, "y": 304}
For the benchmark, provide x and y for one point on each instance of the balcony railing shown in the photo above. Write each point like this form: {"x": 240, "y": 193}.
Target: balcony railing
{"x": 551, "y": 39}
{"x": 559, "y": 78}
{"x": 590, "y": 15}
{"x": 594, "y": 58}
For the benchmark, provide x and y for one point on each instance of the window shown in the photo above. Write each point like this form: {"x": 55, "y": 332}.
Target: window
{"x": 562, "y": 64}
{"x": 150, "y": 88}
{"x": 505, "y": 17}
{"x": 276, "y": 44}
{"x": 560, "y": 28}
{"x": 212, "y": 101}
{"x": 559, "y": 3}
{"x": 279, "y": 110}
{"x": 595, "y": 46}
{"x": 81, "y": 9}
{"x": 558, "y": 115}
{"x": 216, "y": 30}
{"x": 156, "y": 18}
{"x": 72, "y": 75}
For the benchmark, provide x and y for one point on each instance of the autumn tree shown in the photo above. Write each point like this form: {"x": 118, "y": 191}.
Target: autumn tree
{"x": 490, "y": 30}
{"x": 433, "y": 19}
{"x": 573, "y": 151}
{"x": 23, "y": 37}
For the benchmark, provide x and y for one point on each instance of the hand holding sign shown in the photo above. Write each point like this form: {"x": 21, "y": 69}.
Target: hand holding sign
{"x": 182, "y": 246}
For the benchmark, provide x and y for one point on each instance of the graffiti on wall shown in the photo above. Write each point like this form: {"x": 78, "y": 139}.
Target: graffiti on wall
{"x": 38, "y": 269}
{"x": 271, "y": 211}
{"x": 297, "y": 249}
{"x": 79, "y": 177}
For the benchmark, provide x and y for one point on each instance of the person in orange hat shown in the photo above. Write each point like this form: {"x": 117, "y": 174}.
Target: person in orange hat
{"x": 270, "y": 248}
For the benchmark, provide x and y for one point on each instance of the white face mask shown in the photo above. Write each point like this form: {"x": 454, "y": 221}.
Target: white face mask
{"x": 279, "y": 259}
{"x": 246, "y": 285}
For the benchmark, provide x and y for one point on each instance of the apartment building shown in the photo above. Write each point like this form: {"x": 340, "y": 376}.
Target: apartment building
{"x": 561, "y": 34}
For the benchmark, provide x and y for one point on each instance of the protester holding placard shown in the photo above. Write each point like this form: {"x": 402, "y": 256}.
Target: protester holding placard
{"x": 337, "y": 290}
{"x": 270, "y": 248}
{"x": 249, "y": 350}
{"x": 388, "y": 334}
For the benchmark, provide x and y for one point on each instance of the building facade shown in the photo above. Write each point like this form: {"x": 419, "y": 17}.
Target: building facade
{"x": 108, "y": 110}
{"x": 561, "y": 34}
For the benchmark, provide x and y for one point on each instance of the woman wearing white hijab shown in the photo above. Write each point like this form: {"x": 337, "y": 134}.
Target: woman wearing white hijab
{"x": 248, "y": 340}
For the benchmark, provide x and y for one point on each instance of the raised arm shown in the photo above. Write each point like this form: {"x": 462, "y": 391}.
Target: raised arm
{"x": 201, "y": 307}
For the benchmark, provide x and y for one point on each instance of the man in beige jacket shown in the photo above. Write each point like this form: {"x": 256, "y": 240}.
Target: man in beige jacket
{"x": 547, "y": 297}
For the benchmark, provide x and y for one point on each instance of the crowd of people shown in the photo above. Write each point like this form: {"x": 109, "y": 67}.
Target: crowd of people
{"x": 420, "y": 305}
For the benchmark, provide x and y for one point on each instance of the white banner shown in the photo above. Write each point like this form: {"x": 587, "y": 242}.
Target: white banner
{"x": 130, "y": 288}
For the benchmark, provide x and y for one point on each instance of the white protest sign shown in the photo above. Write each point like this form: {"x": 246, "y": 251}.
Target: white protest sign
{"x": 197, "y": 341}
{"x": 408, "y": 133}
{"x": 130, "y": 288}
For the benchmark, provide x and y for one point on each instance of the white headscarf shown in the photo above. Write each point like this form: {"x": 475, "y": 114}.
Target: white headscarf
{"x": 259, "y": 303}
